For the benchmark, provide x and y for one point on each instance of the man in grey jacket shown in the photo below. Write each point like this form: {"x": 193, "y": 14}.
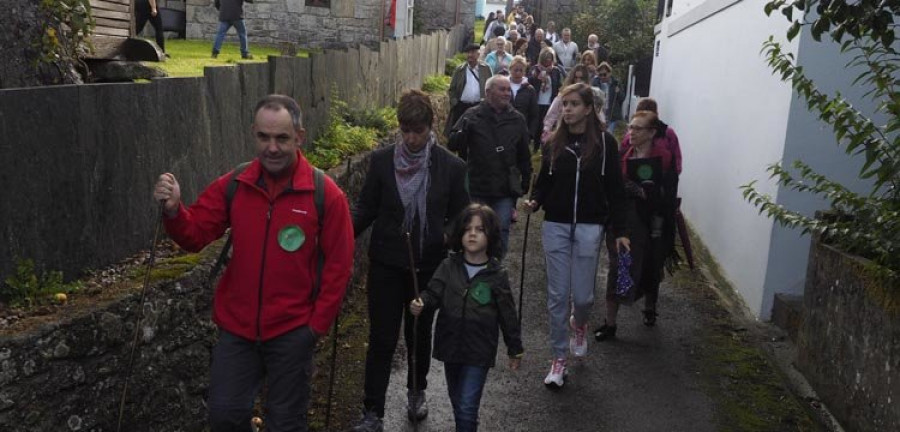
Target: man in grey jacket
{"x": 231, "y": 14}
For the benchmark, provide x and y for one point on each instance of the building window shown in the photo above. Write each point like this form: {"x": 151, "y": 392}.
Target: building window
{"x": 319, "y": 3}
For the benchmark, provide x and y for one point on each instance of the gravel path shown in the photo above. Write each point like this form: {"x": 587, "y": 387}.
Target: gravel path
{"x": 647, "y": 380}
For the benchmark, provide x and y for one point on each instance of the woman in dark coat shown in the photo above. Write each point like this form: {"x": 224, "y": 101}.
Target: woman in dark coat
{"x": 524, "y": 95}
{"x": 414, "y": 188}
{"x": 546, "y": 78}
{"x": 651, "y": 180}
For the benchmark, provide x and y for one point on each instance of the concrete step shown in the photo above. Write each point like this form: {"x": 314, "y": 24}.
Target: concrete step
{"x": 787, "y": 313}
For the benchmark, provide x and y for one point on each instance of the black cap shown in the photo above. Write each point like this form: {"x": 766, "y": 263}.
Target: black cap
{"x": 471, "y": 47}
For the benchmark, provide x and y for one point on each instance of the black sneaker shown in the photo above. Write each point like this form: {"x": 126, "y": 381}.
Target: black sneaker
{"x": 369, "y": 423}
{"x": 247, "y": 56}
{"x": 605, "y": 332}
{"x": 417, "y": 405}
{"x": 215, "y": 55}
{"x": 650, "y": 317}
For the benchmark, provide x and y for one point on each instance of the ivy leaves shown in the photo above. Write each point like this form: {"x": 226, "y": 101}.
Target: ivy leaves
{"x": 868, "y": 223}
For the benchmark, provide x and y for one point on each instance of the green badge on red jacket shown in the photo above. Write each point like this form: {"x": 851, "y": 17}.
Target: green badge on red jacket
{"x": 291, "y": 237}
{"x": 481, "y": 293}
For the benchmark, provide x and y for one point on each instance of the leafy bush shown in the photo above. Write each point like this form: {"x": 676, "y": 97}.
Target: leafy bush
{"x": 350, "y": 131}
{"x": 382, "y": 120}
{"x": 453, "y": 63}
{"x": 26, "y": 287}
{"x": 436, "y": 84}
{"x": 865, "y": 224}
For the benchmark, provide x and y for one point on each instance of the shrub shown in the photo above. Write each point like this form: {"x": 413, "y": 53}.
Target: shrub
{"x": 436, "y": 84}
{"x": 27, "y": 287}
{"x": 350, "y": 131}
{"x": 865, "y": 224}
{"x": 453, "y": 63}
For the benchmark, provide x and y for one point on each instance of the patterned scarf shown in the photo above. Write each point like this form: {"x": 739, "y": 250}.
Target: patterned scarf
{"x": 413, "y": 180}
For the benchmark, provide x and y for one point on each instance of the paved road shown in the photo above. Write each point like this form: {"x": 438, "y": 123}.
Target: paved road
{"x": 647, "y": 380}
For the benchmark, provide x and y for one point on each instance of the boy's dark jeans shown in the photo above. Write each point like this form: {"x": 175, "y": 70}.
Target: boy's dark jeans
{"x": 390, "y": 289}
{"x": 465, "y": 384}
{"x": 236, "y": 376}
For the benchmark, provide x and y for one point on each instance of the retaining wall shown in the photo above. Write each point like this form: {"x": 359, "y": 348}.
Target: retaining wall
{"x": 849, "y": 343}
{"x": 80, "y": 161}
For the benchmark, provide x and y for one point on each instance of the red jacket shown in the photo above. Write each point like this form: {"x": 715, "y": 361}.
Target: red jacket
{"x": 266, "y": 290}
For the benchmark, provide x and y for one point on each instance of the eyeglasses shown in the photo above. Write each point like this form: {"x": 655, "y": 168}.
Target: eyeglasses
{"x": 637, "y": 128}
{"x": 603, "y": 74}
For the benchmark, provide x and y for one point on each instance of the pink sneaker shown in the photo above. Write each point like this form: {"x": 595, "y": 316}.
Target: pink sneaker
{"x": 577, "y": 341}
{"x": 557, "y": 376}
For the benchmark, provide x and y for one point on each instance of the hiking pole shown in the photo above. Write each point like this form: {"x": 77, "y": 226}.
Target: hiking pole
{"x": 524, "y": 250}
{"x": 334, "y": 345}
{"x": 413, "y": 362}
{"x": 137, "y": 327}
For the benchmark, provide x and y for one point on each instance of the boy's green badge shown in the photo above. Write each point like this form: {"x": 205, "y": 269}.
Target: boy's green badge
{"x": 291, "y": 237}
{"x": 481, "y": 293}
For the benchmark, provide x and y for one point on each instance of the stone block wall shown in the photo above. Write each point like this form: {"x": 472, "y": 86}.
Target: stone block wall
{"x": 344, "y": 23}
{"x": 21, "y": 24}
{"x": 849, "y": 342}
{"x": 106, "y": 144}
{"x": 443, "y": 14}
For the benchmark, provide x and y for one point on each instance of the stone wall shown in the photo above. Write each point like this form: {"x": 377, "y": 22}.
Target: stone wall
{"x": 21, "y": 24}
{"x": 443, "y": 14}
{"x": 69, "y": 375}
{"x": 849, "y": 342}
{"x": 344, "y": 23}
{"x": 104, "y": 145}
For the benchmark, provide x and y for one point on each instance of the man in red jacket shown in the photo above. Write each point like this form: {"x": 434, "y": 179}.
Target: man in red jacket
{"x": 268, "y": 314}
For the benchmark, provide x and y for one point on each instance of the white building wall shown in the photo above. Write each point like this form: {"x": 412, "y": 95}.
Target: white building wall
{"x": 734, "y": 118}
{"x": 731, "y": 114}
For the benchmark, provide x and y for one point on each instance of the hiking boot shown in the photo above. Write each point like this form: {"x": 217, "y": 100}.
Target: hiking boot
{"x": 369, "y": 423}
{"x": 417, "y": 405}
{"x": 577, "y": 341}
{"x": 215, "y": 55}
{"x": 247, "y": 56}
{"x": 650, "y": 317}
{"x": 605, "y": 332}
{"x": 557, "y": 376}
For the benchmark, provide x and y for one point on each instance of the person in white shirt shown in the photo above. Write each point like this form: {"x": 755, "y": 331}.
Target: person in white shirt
{"x": 566, "y": 50}
{"x": 550, "y": 34}
{"x": 466, "y": 86}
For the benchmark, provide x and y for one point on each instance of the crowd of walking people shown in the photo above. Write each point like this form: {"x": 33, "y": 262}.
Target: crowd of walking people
{"x": 440, "y": 220}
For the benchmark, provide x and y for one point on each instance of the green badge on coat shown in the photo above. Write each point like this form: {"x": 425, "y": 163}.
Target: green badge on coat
{"x": 481, "y": 293}
{"x": 291, "y": 237}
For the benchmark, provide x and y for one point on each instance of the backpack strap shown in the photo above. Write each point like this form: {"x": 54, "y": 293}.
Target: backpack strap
{"x": 230, "y": 191}
{"x": 319, "y": 199}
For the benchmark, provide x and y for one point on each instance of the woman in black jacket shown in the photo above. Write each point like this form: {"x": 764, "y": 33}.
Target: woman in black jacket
{"x": 413, "y": 187}
{"x": 524, "y": 98}
{"x": 547, "y": 78}
{"x": 580, "y": 189}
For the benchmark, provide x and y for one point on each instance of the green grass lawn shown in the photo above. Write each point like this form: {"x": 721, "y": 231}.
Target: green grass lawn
{"x": 479, "y": 30}
{"x": 189, "y": 57}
